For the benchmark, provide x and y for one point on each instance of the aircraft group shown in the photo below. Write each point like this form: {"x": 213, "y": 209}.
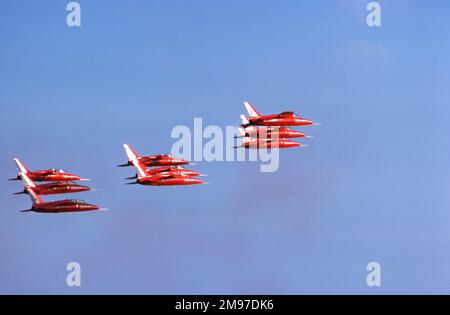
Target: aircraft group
{"x": 168, "y": 170}
{"x": 256, "y": 132}
{"x": 59, "y": 182}
{"x": 271, "y": 131}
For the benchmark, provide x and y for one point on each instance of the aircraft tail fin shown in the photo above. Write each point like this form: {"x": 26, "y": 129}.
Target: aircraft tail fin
{"x": 246, "y": 123}
{"x": 139, "y": 167}
{"x": 251, "y": 110}
{"x": 27, "y": 182}
{"x": 35, "y": 198}
{"x": 21, "y": 167}
{"x": 241, "y": 131}
{"x": 131, "y": 154}
{"x": 244, "y": 120}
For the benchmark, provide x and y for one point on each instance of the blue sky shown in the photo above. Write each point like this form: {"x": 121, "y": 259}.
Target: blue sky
{"x": 372, "y": 185}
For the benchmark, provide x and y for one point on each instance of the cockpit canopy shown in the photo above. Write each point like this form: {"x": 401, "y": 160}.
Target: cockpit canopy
{"x": 79, "y": 201}
{"x": 58, "y": 170}
{"x": 290, "y": 114}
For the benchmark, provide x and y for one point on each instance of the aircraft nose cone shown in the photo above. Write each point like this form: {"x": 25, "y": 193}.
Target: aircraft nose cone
{"x": 298, "y": 134}
{"x": 291, "y": 143}
{"x": 92, "y": 207}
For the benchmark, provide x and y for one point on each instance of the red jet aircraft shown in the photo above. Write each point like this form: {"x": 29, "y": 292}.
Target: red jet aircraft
{"x": 152, "y": 160}
{"x": 160, "y": 179}
{"x": 251, "y": 143}
{"x": 45, "y": 175}
{"x": 270, "y": 132}
{"x": 51, "y": 188}
{"x": 282, "y": 119}
{"x": 175, "y": 170}
{"x": 257, "y": 143}
{"x": 59, "y": 206}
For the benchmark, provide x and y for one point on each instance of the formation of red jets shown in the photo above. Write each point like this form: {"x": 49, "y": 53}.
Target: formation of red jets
{"x": 258, "y": 131}
{"x": 168, "y": 172}
{"x": 274, "y": 133}
{"x": 59, "y": 182}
